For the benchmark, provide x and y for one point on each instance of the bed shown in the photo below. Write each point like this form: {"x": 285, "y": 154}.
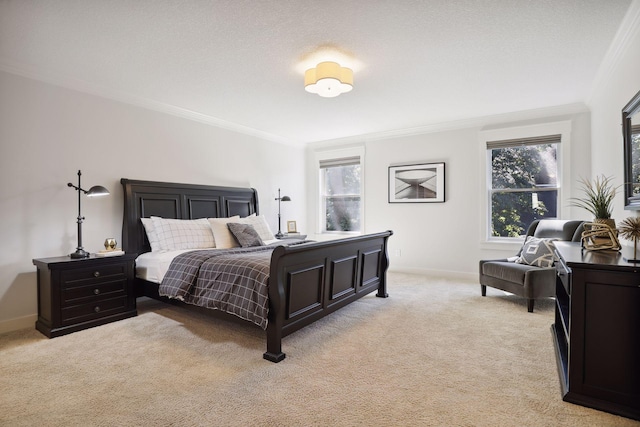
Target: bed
{"x": 305, "y": 281}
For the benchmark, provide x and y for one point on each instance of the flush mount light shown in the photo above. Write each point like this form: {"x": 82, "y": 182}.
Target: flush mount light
{"x": 328, "y": 79}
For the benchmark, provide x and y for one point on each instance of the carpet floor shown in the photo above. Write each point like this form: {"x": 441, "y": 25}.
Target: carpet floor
{"x": 435, "y": 353}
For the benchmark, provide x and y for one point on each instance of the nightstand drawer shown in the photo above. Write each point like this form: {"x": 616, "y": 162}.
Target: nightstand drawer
{"x": 101, "y": 308}
{"x": 93, "y": 292}
{"x": 84, "y": 276}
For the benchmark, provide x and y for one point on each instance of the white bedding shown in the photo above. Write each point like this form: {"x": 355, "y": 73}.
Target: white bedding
{"x": 152, "y": 266}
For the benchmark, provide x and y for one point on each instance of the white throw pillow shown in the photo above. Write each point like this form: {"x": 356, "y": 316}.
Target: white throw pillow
{"x": 221, "y": 234}
{"x": 152, "y": 236}
{"x": 175, "y": 234}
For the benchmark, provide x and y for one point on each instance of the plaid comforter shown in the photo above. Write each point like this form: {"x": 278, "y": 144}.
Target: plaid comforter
{"x": 231, "y": 280}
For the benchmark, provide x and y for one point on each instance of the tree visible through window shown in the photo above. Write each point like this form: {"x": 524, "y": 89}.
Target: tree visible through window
{"x": 524, "y": 183}
{"x": 340, "y": 194}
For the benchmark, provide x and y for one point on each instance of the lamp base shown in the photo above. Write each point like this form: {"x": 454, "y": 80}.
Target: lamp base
{"x": 80, "y": 253}
{"x": 279, "y": 235}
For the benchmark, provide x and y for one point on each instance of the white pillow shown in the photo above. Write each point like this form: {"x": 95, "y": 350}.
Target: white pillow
{"x": 221, "y": 234}
{"x": 261, "y": 226}
{"x": 175, "y": 234}
{"x": 152, "y": 236}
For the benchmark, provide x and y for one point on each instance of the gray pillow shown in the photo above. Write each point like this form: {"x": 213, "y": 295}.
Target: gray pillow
{"x": 537, "y": 252}
{"x": 245, "y": 234}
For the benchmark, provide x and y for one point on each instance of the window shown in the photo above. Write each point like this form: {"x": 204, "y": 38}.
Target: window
{"x": 340, "y": 195}
{"x": 523, "y": 183}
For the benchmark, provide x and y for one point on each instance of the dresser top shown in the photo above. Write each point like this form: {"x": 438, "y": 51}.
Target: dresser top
{"x": 573, "y": 254}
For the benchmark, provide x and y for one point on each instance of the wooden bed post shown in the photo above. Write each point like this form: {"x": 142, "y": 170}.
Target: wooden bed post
{"x": 277, "y": 301}
{"x": 384, "y": 264}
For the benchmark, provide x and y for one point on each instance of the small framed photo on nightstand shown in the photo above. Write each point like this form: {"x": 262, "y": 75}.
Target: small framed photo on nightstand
{"x": 292, "y": 227}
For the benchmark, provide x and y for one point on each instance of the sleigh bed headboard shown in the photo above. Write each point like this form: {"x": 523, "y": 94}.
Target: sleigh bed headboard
{"x": 143, "y": 199}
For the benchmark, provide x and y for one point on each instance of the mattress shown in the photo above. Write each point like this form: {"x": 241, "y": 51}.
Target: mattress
{"x": 152, "y": 266}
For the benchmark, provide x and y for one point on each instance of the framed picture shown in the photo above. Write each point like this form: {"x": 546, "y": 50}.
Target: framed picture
{"x": 418, "y": 183}
{"x": 291, "y": 227}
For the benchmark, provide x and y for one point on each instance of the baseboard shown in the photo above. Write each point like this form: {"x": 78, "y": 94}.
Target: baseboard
{"x": 18, "y": 323}
{"x": 445, "y": 274}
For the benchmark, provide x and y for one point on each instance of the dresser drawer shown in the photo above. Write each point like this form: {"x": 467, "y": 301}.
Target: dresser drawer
{"x": 93, "y": 292}
{"x": 84, "y": 276}
{"x": 93, "y": 310}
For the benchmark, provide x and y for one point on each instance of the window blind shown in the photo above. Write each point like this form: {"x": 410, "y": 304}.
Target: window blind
{"x": 345, "y": 161}
{"x": 538, "y": 140}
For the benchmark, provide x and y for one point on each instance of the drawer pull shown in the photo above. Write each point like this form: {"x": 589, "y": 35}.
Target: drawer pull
{"x": 97, "y": 309}
{"x": 96, "y": 291}
{"x": 96, "y": 274}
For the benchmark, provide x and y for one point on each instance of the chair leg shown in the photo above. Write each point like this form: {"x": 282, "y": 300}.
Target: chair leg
{"x": 530, "y": 304}
{"x": 483, "y": 290}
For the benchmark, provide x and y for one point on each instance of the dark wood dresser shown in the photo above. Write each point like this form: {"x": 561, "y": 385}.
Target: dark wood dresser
{"x": 76, "y": 294}
{"x": 597, "y": 329}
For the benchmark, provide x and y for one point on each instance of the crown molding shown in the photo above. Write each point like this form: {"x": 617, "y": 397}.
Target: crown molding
{"x": 477, "y": 122}
{"x": 619, "y": 45}
{"x": 118, "y": 96}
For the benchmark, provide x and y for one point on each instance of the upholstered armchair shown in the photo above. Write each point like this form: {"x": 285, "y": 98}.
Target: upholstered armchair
{"x": 522, "y": 279}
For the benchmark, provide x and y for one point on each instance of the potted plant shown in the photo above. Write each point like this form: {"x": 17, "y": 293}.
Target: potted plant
{"x": 598, "y": 199}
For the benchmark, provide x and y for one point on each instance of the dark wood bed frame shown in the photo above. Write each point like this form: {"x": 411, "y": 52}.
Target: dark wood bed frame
{"x": 306, "y": 282}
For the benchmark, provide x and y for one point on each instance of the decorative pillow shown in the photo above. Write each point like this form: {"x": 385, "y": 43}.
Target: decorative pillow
{"x": 261, "y": 226}
{"x": 221, "y": 234}
{"x": 537, "y": 252}
{"x": 152, "y": 236}
{"x": 174, "y": 234}
{"x": 245, "y": 234}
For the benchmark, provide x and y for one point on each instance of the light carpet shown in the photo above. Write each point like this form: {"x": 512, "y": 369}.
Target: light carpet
{"x": 435, "y": 353}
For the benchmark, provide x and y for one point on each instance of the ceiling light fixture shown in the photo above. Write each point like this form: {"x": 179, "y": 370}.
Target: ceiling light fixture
{"x": 328, "y": 79}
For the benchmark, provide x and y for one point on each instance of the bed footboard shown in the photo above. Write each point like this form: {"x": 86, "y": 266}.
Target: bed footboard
{"x": 308, "y": 282}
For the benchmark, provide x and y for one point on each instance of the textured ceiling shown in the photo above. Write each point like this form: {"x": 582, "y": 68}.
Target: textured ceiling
{"x": 240, "y": 63}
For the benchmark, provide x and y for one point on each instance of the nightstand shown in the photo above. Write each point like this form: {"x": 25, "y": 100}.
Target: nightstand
{"x": 76, "y": 294}
{"x": 293, "y": 236}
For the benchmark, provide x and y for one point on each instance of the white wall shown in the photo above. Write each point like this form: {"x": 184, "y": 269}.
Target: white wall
{"x": 47, "y": 133}
{"x": 620, "y": 82}
{"x": 444, "y": 238}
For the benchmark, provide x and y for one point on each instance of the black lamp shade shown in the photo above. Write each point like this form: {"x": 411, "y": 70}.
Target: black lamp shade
{"x": 97, "y": 191}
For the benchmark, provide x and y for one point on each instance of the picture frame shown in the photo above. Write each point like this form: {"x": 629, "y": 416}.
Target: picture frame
{"x": 417, "y": 183}
{"x": 292, "y": 227}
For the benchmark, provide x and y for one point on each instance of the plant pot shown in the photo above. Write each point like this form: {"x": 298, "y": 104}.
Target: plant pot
{"x": 607, "y": 221}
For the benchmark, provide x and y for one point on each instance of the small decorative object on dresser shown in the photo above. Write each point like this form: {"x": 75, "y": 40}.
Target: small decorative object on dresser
{"x": 630, "y": 229}
{"x": 76, "y": 294}
{"x": 291, "y": 227}
{"x": 599, "y": 236}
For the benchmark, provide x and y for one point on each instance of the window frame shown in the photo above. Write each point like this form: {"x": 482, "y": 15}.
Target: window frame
{"x": 336, "y": 154}
{"x": 563, "y": 128}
